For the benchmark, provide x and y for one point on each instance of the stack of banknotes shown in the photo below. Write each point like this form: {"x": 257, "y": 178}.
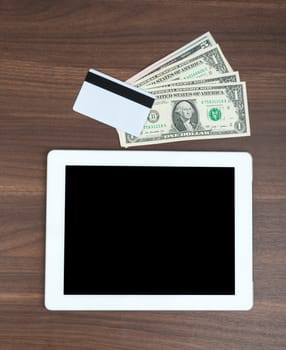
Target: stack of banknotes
{"x": 198, "y": 96}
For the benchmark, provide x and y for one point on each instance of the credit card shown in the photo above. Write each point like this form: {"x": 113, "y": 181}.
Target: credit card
{"x": 114, "y": 102}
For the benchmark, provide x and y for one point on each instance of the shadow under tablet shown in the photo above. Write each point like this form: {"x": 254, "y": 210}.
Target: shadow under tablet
{"x": 149, "y": 230}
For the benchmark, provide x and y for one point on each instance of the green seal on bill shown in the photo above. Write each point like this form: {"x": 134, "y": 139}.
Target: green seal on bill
{"x": 215, "y": 114}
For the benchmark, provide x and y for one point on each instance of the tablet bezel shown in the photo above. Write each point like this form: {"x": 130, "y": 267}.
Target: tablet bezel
{"x": 55, "y": 214}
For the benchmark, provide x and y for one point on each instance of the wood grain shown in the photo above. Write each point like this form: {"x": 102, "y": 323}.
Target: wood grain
{"x": 46, "y": 49}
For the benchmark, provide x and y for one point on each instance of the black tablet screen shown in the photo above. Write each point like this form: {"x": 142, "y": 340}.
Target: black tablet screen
{"x": 149, "y": 230}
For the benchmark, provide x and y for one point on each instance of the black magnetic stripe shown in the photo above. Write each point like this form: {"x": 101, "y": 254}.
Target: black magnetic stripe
{"x": 118, "y": 89}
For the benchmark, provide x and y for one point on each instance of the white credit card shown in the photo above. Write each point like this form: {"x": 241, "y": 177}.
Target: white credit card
{"x": 114, "y": 102}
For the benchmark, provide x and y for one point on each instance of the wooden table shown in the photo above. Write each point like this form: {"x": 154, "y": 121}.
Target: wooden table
{"x": 46, "y": 49}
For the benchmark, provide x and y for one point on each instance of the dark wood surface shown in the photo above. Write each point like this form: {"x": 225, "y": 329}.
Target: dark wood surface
{"x": 46, "y": 48}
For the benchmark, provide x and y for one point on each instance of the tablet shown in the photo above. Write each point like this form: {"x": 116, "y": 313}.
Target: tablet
{"x": 148, "y": 230}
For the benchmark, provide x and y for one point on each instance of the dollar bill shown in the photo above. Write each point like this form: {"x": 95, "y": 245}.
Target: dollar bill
{"x": 201, "y": 112}
{"x": 206, "y": 63}
{"x": 156, "y": 89}
{"x": 204, "y": 41}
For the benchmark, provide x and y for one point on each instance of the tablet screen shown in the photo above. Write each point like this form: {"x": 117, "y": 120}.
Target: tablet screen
{"x": 149, "y": 230}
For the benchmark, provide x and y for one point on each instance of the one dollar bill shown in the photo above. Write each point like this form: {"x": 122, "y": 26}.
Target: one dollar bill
{"x": 204, "y": 41}
{"x": 201, "y": 112}
{"x": 157, "y": 89}
{"x": 204, "y": 64}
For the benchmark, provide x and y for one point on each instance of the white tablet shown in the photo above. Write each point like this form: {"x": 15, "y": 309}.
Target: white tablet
{"x": 149, "y": 230}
